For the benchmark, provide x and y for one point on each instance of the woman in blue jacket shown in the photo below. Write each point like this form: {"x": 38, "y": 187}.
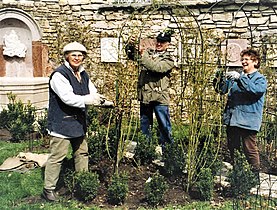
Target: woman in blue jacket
{"x": 244, "y": 108}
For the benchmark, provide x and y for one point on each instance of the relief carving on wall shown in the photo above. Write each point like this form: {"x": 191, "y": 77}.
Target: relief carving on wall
{"x": 13, "y": 46}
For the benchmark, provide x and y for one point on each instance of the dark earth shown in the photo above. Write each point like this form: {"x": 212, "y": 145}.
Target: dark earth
{"x": 138, "y": 175}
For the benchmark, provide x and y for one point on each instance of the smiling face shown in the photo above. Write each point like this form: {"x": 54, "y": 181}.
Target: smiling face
{"x": 161, "y": 46}
{"x": 75, "y": 59}
{"x": 248, "y": 63}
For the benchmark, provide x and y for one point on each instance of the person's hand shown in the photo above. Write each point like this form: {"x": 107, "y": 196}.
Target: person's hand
{"x": 131, "y": 48}
{"x": 216, "y": 76}
{"x": 133, "y": 39}
{"x": 92, "y": 99}
{"x": 232, "y": 75}
{"x": 105, "y": 103}
{"x": 218, "y": 73}
{"x": 97, "y": 99}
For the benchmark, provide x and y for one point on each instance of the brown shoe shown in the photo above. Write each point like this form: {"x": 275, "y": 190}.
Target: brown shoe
{"x": 49, "y": 195}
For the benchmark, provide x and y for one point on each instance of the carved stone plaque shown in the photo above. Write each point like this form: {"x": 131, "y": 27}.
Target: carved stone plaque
{"x": 13, "y": 46}
{"x": 231, "y": 49}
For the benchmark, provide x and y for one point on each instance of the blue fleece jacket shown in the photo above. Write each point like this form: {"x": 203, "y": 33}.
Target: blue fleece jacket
{"x": 245, "y": 102}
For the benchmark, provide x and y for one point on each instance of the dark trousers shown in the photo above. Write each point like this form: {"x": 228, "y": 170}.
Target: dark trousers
{"x": 163, "y": 119}
{"x": 238, "y": 137}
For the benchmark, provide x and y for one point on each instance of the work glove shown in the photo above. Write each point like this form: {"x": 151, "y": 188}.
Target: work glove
{"x": 92, "y": 99}
{"x": 232, "y": 75}
{"x": 217, "y": 75}
{"x": 130, "y": 51}
{"x": 97, "y": 99}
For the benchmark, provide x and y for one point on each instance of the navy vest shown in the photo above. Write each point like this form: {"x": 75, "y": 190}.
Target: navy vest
{"x": 63, "y": 119}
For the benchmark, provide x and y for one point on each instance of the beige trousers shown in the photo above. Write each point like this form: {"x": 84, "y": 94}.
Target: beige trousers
{"x": 59, "y": 150}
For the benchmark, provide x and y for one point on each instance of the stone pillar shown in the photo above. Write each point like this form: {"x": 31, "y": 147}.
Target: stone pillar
{"x": 40, "y": 59}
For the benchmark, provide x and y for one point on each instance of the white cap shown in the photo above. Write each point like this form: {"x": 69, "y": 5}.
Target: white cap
{"x": 74, "y": 46}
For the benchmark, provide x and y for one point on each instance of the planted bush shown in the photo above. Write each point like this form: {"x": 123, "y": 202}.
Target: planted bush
{"x": 241, "y": 178}
{"x": 86, "y": 185}
{"x": 174, "y": 159}
{"x": 18, "y": 118}
{"x": 145, "y": 151}
{"x": 68, "y": 179}
{"x": 155, "y": 189}
{"x": 205, "y": 184}
{"x": 118, "y": 189}
{"x": 101, "y": 136}
{"x": 83, "y": 185}
{"x": 96, "y": 144}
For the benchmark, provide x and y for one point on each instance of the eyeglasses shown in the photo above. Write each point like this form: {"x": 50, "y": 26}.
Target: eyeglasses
{"x": 245, "y": 59}
{"x": 77, "y": 55}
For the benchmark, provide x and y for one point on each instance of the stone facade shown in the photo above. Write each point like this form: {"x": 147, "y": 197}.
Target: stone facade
{"x": 235, "y": 19}
{"x": 251, "y": 21}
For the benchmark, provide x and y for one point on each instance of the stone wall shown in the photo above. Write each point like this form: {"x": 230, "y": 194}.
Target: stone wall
{"x": 234, "y": 19}
{"x": 253, "y": 21}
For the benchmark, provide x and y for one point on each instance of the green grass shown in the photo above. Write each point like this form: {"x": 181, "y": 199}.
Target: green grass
{"x": 22, "y": 191}
{"x": 11, "y": 149}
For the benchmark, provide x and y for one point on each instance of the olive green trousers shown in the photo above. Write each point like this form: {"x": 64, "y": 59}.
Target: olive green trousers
{"x": 58, "y": 151}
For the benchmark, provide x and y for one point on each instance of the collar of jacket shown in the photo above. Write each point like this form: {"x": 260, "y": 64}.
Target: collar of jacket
{"x": 250, "y": 75}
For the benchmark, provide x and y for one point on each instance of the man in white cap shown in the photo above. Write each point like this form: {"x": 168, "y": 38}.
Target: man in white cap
{"x": 70, "y": 91}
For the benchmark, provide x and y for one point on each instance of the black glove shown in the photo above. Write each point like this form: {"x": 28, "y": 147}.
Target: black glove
{"x": 217, "y": 79}
{"x": 130, "y": 51}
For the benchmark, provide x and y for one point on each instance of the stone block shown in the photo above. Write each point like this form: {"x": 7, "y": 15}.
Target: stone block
{"x": 258, "y": 21}
{"x": 26, "y": 89}
{"x": 223, "y": 17}
{"x": 241, "y": 22}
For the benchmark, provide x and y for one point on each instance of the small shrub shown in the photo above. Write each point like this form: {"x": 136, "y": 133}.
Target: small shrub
{"x": 86, "y": 185}
{"x": 241, "y": 178}
{"x": 101, "y": 138}
{"x": 155, "y": 189}
{"x": 96, "y": 144}
{"x": 174, "y": 159}
{"x": 145, "y": 151}
{"x": 118, "y": 189}
{"x": 68, "y": 180}
{"x": 205, "y": 184}
{"x": 18, "y": 118}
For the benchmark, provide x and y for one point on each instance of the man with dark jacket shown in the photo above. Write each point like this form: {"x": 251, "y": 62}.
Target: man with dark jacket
{"x": 70, "y": 91}
{"x": 153, "y": 88}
